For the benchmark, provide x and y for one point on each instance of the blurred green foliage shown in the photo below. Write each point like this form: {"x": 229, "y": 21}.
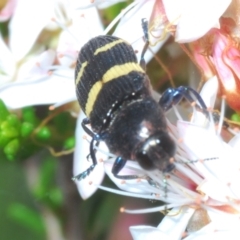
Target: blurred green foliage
{"x": 46, "y": 190}
{"x": 22, "y": 134}
{"x": 20, "y": 217}
{"x": 235, "y": 117}
{"x": 26, "y": 217}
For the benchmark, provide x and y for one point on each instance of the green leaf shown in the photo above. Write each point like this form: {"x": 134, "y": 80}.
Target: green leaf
{"x": 56, "y": 196}
{"x": 3, "y": 111}
{"x": 47, "y": 173}
{"x": 26, "y": 217}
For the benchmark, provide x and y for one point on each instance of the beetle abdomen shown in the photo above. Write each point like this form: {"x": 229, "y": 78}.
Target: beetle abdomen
{"x": 107, "y": 72}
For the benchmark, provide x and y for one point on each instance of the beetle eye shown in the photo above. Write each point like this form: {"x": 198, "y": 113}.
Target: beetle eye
{"x": 166, "y": 144}
{"x": 144, "y": 160}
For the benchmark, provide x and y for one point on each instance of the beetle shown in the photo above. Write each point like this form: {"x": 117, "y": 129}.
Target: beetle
{"x": 115, "y": 93}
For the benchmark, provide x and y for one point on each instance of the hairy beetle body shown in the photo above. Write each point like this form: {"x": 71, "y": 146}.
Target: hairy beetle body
{"x": 114, "y": 92}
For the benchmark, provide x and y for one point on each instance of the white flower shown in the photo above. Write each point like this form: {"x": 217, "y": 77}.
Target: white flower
{"x": 173, "y": 226}
{"x": 206, "y": 177}
{"x": 212, "y": 185}
{"x": 35, "y": 78}
{"x": 193, "y": 19}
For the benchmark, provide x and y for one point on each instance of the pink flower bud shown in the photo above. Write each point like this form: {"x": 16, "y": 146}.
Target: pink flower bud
{"x": 226, "y": 58}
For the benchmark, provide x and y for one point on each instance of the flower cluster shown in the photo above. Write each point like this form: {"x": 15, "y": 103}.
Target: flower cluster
{"x": 202, "y": 192}
{"x": 205, "y": 180}
{"x": 37, "y": 66}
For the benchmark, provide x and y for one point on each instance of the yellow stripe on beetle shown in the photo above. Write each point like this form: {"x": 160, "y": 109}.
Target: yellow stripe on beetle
{"x": 101, "y": 49}
{"x": 108, "y": 46}
{"x": 111, "y": 74}
{"x": 92, "y": 96}
{"x": 80, "y": 72}
{"x": 121, "y": 70}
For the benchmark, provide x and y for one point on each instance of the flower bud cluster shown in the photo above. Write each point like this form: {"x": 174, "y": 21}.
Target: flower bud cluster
{"x": 21, "y": 135}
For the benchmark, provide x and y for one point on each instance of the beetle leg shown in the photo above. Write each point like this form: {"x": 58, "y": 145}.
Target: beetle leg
{"x": 92, "y": 153}
{"x": 84, "y": 174}
{"x": 173, "y": 96}
{"x": 86, "y": 121}
{"x": 118, "y": 166}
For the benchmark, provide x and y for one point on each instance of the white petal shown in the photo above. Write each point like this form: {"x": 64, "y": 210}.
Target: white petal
{"x": 222, "y": 171}
{"x": 235, "y": 142}
{"x": 85, "y": 25}
{"x": 148, "y": 233}
{"x": 198, "y": 17}
{"x": 209, "y": 92}
{"x": 39, "y": 65}
{"x": 132, "y": 20}
{"x": 174, "y": 9}
{"x": 222, "y": 226}
{"x": 46, "y": 90}
{"x": 7, "y": 63}
{"x": 219, "y": 235}
{"x": 222, "y": 220}
{"x": 198, "y": 140}
{"x": 198, "y": 143}
{"x": 209, "y": 95}
{"x": 92, "y": 25}
{"x": 28, "y": 21}
{"x": 134, "y": 185}
{"x": 216, "y": 190}
{"x": 81, "y": 163}
{"x": 172, "y": 226}
{"x": 175, "y": 223}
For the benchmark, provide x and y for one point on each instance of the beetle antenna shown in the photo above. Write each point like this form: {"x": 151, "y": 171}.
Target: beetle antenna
{"x": 146, "y": 39}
